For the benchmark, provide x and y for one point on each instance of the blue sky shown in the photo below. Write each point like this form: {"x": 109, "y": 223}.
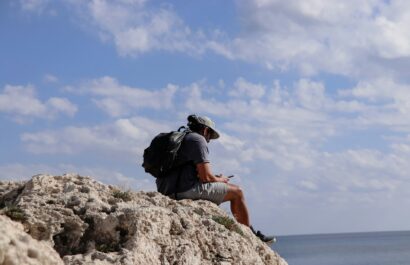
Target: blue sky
{"x": 311, "y": 99}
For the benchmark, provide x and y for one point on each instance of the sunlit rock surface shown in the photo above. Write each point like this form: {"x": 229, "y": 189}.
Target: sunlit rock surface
{"x": 77, "y": 220}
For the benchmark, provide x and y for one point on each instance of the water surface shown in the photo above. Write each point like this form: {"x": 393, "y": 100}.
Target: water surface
{"x": 375, "y": 248}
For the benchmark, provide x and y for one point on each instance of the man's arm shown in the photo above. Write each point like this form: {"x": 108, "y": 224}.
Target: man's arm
{"x": 205, "y": 174}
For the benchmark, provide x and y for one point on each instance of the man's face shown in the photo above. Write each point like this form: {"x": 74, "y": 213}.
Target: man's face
{"x": 207, "y": 134}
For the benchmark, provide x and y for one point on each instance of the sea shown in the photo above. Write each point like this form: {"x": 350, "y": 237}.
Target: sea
{"x": 371, "y": 248}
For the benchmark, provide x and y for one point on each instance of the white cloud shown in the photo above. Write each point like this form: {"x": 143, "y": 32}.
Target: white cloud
{"x": 311, "y": 95}
{"x": 380, "y": 89}
{"x": 393, "y": 41}
{"x": 21, "y": 100}
{"x": 230, "y": 142}
{"x": 195, "y": 102}
{"x": 49, "y": 78}
{"x": 247, "y": 89}
{"x": 62, "y": 105}
{"x": 39, "y": 7}
{"x": 34, "y": 5}
{"x": 384, "y": 102}
{"x": 353, "y": 38}
{"x": 135, "y": 28}
{"x": 21, "y": 103}
{"x": 308, "y": 185}
{"x": 278, "y": 108}
{"x": 119, "y": 100}
{"x": 362, "y": 172}
{"x": 124, "y": 136}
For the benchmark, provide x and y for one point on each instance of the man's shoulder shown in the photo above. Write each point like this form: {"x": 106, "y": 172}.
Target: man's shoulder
{"x": 195, "y": 137}
{"x": 194, "y": 148}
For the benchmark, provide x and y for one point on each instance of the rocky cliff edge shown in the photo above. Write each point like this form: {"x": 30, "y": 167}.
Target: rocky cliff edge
{"x": 72, "y": 219}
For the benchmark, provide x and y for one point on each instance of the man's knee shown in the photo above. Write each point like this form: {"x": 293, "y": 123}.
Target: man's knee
{"x": 236, "y": 191}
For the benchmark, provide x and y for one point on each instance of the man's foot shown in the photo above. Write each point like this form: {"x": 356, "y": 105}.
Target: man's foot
{"x": 266, "y": 239}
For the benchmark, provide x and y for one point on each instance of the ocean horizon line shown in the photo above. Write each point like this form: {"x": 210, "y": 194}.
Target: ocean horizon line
{"x": 345, "y": 233}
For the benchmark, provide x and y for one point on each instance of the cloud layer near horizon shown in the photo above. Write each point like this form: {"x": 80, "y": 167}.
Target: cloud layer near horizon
{"x": 276, "y": 136}
{"x": 287, "y": 127}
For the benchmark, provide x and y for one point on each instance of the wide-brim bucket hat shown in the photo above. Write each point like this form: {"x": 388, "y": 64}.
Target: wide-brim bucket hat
{"x": 205, "y": 121}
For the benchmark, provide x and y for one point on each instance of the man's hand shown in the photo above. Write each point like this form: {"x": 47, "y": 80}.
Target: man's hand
{"x": 205, "y": 174}
{"x": 221, "y": 178}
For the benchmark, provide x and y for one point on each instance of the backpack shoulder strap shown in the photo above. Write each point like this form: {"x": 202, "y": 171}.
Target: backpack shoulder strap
{"x": 180, "y": 167}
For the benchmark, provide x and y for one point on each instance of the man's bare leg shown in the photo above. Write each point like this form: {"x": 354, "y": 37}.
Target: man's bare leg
{"x": 238, "y": 205}
{"x": 240, "y": 211}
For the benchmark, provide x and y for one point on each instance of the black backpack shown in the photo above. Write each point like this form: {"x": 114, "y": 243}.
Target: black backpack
{"x": 160, "y": 155}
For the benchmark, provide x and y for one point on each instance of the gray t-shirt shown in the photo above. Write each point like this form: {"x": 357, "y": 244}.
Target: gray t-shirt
{"x": 193, "y": 150}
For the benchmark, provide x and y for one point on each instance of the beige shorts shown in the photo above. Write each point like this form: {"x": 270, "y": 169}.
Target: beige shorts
{"x": 211, "y": 191}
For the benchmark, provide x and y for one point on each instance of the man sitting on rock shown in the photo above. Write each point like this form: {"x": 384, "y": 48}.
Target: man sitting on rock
{"x": 194, "y": 180}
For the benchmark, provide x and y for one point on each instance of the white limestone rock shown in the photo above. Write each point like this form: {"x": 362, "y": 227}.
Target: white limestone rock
{"x": 17, "y": 247}
{"x": 88, "y": 222}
